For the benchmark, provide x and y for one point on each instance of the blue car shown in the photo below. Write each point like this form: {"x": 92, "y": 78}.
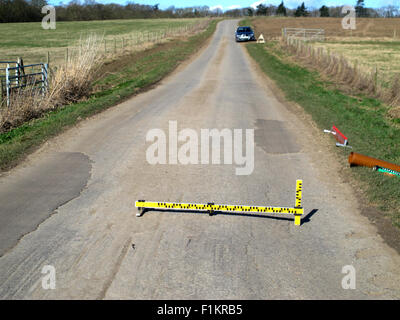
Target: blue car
{"x": 244, "y": 34}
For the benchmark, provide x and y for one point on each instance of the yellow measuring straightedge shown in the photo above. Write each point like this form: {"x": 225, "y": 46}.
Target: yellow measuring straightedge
{"x": 297, "y": 210}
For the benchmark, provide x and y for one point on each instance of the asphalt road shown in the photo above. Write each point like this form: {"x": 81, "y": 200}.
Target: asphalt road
{"x": 71, "y": 204}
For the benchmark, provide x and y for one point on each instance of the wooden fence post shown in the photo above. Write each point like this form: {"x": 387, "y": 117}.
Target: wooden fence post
{"x": 43, "y": 81}
{"x": 17, "y": 72}
{"x": 1, "y": 92}
{"x": 47, "y": 68}
{"x": 66, "y": 57}
{"x": 8, "y": 85}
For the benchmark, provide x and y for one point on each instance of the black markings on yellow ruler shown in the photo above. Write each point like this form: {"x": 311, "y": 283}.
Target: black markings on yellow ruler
{"x": 299, "y": 188}
{"x": 297, "y": 210}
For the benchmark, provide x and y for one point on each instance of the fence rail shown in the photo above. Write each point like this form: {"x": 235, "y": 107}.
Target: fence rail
{"x": 304, "y": 34}
{"x": 14, "y": 79}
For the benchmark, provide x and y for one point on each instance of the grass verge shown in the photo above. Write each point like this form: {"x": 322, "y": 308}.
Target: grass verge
{"x": 362, "y": 119}
{"x": 142, "y": 70}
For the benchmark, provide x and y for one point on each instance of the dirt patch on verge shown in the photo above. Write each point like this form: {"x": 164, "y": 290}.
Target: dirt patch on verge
{"x": 394, "y": 112}
{"x": 386, "y": 230}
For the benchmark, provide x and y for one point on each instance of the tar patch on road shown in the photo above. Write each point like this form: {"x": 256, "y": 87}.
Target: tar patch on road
{"x": 29, "y": 199}
{"x": 273, "y": 137}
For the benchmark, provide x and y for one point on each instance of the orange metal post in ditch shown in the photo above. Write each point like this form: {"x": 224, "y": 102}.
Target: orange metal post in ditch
{"x": 356, "y": 159}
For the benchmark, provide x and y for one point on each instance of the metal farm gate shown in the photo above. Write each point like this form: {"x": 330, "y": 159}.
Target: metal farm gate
{"x": 16, "y": 78}
{"x": 304, "y": 34}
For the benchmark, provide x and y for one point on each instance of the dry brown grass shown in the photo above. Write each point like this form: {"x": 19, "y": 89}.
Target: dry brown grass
{"x": 271, "y": 27}
{"x": 374, "y": 45}
{"x": 24, "y": 105}
{"x": 69, "y": 83}
{"x": 394, "y": 112}
{"x": 72, "y": 81}
{"x": 338, "y": 68}
{"x": 384, "y": 56}
{"x": 365, "y": 60}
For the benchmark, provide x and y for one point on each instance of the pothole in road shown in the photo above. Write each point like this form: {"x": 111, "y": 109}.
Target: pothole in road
{"x": 273, "y": 137}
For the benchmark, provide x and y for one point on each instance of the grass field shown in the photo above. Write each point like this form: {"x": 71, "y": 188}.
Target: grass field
{"x": 31, "y": 42}
{"x": 364, "y": 120}
{"x": 365, "y": 27}
{"x": 381, "y": 54}
{"x": 374, "y": 44}
{"x": 131, "y": 74}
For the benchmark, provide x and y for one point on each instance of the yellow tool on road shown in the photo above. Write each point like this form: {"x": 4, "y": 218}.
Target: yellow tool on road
{"x": 211, "y": 208}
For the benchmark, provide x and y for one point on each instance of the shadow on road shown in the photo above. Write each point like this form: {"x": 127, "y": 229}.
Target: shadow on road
{"x": 306, "y": 218}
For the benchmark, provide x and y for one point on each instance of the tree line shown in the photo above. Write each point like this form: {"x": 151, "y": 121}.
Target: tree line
{"x": 389, "y": 11}
{"x": 75, "y": 10}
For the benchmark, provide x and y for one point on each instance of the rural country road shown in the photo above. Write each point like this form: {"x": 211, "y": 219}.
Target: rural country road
{"x": 71, "y": 204}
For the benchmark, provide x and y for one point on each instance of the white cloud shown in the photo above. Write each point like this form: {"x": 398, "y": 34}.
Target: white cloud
{"x": 274, "y": 2}
{"x": 255, "y": 4}
{"x": 235, "y": 6}
{"x": 218, "y": 6}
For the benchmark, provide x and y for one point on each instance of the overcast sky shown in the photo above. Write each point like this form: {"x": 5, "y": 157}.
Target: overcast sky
{"x": 232, "y": 4}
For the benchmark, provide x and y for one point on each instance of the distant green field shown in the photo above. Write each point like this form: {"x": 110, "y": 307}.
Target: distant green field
{"x": 31, "y": 42}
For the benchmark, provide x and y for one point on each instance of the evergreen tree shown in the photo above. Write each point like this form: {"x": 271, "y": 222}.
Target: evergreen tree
{"x": 324, "y": 11}
{"x": 360, "y": 9}
{"x": 301, "y": 11}
{"x": 281, "y": 11}
{"x": 304, "y": 10}
{"x": 261, "y": 10}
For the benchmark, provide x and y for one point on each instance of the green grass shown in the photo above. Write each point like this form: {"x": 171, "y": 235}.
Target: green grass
{"x": 362, "y": 119}
{"x": 32, "y": 42}
{"x": 138, "y": 74}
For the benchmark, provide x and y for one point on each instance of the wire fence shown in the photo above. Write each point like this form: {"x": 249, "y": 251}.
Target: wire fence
{"x": 304, "y": 34}
{"x": 16, "y": 78}
{"x": 118, "y": 44}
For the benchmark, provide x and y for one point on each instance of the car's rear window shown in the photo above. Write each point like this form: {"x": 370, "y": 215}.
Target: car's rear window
{"x": 244, "y": 29}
